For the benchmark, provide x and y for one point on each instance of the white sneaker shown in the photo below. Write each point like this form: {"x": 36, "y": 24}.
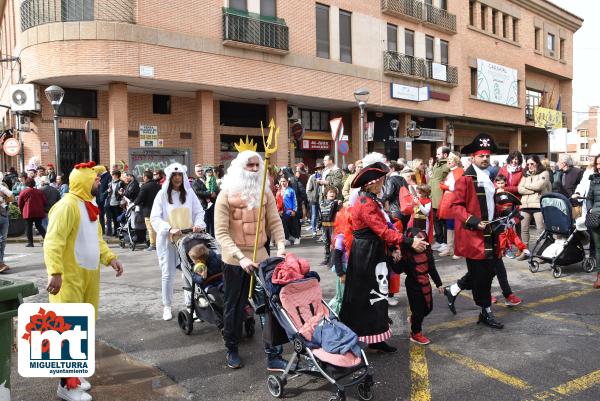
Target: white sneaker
{"x": 167, "y": 314}
{"x": 436, "y": 246}
{"x": 297, "y": 241}
{"x": 84, "y": 384}
{"x": 446, "y": 251}
{"x": 287, "y": 243}
{"x": 75, "y": 394}
{"x": 393, "y": 301}
{"x": 455, "y": 257}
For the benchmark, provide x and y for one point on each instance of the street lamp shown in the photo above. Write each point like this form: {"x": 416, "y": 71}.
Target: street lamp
{"x": 362, "y": 96}
{"x": 394, "y": 124}
{"x": 549, "y": 128}
{"x": 55, "y": 95}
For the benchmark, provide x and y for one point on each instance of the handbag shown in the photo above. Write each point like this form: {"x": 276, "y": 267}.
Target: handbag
{"x": 592, "y": 220}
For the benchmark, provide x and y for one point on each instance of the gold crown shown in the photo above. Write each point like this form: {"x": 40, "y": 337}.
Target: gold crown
{"x": 245, "y": 145}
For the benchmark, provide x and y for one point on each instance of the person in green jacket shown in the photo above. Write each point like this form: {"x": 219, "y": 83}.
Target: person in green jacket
{"x": 438, "y": 175}
{"x": 332, "y": 177}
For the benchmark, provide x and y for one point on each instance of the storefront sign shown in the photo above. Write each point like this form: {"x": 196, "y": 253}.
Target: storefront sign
{"x": 438, "y": 71}
{"x": 543, "y": 117}
{"x": 311, "y": 144}
{"x": 148, "y": 136}
{"x": 11, "y": 147}
{"x": 497, "y": 83}
{"x": 412, "y": 93}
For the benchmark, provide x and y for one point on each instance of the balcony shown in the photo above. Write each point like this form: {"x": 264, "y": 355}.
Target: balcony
{"x": 415, "y": 10}
{"x": 247, "y": 30}
{"x": 418, "y": 68}
{"x": 39, "y": 12}
{"x": 530, "y": 117}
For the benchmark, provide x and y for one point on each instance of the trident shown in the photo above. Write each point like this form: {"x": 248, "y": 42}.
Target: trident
{"x": 270, "y": 144}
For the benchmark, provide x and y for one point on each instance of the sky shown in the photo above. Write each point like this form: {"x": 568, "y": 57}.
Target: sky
{"x": 586, "y": 56}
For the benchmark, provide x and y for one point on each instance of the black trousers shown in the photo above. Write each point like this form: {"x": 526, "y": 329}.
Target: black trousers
{"x": 115, "y": 211}
{"x": 478, "y": 279}
{"x": 29, "y": 230}
{"x": 236, "y": 285}
{"x": 439, "y": 227}
{"x": 290, "y": 226}
{"x": 327, "y": 234}
{"x": 416, "y": 300}
{"x": 102, "y": 219}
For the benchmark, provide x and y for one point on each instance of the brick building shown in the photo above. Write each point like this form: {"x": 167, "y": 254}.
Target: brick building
{"x": 198, "y": 75}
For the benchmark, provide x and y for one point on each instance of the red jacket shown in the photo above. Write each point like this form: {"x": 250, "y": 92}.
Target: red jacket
{"x": 512, "y": 180}
{"x": 32, "y": 203}
{"x": 470, "y": 241}
{"x": 367, "y": 212}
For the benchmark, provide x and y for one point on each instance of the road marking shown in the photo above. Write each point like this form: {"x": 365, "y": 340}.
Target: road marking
{"x": 419, "y": 374}
{"x": 558, "y": 298}
{"x": 486, "y": 370}
{"x": 579, "y": 385}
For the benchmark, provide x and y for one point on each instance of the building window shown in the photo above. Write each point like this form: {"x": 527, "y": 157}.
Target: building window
{"x": 268, "y": 8}
{"x": 315, "y": 120}
{"x": 429, "y": 48}
{"x": 583, "y": 133}
{"x": 161, "y": 104}
{"x": 444, "y": 4}
{"x": 538, "y": 35}
{"x": 79, "y": 103}
{"x": 238, "y": 4}
{"x": 484, "y": 11}
{"x": 583, "y": 145}
{"x": 495, "y": 22}
{"x": 550, "y": 42}
{"x": 533, "y": 98}
{"x": 409, "y": 42}
{"x": 473, "y": 81}
{"x": 322, "y": 31}
{"x": 233, "y": 114}
{"x": 345, "y": 36}
{"x": 472, "y": 13}
{"x": 515, "y": 32}
{"x": 505, "y": 26}
{"x": 562, "y": 49}
{"x": 77, "y": 10}
{"x": 392, "y": 38}
{"x": 444, "y": 52}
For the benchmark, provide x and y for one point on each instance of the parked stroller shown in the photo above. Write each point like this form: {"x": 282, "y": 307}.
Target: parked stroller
{"x": 563, "y": 241}
{"x": 132, "y": 229}
{"x": 295, "y": 303}
{"x": 207, "y": 297}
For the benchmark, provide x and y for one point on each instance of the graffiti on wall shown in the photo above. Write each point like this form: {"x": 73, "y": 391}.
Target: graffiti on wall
{"x": 142, "y": 159}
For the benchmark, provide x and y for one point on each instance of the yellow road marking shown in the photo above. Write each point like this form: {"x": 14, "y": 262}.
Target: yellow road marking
{"x": 578, "y": 385}
{"x": 549, "y": 316}
{"x": 488, "y": 371}
{"x": 558, "y": 298}
{"x": 419, "y": 374}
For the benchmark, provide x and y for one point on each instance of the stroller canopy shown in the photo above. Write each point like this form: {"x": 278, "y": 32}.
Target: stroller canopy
{"x": 557, "y": 212}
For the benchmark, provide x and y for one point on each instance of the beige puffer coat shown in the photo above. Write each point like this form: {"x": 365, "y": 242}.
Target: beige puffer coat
{"x": 532, "y": 187}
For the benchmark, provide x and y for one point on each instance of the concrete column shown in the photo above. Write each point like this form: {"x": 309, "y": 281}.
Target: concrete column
{"x": 489, "y": 21}
{"x": 278, "y": 112}
{"x": 437, "y": 50}
{"x": 509, "y": 27}
{"x": 118, "y": 123}
{"x": 334, "y": 33}
{"x": 477, "y": 14}
{"x": 419, "y": 44}
{"x": 516, "y": 141}
{"x": 205, "y": 137}
{"x": 404, "y": 119}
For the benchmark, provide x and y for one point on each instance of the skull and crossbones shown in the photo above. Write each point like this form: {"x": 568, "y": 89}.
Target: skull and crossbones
{"x": 485, "y": 142}
{"x": 381, "y": 273}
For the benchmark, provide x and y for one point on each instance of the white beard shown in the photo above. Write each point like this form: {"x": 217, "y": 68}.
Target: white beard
{"x": 245, "y": 183}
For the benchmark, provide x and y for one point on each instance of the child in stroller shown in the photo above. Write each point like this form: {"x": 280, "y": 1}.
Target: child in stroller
{"x": 200, "y": 252}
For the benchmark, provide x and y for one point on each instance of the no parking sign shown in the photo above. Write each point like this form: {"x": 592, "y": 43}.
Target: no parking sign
{"x": 343, "y": 147}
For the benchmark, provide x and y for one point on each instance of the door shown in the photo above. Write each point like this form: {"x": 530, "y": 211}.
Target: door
{"x": 74, "y": 148}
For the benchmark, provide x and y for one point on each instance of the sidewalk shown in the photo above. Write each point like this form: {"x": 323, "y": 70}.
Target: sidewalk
{"x": 37, "y": 240}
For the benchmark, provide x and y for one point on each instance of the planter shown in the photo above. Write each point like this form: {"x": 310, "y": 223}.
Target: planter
{"x": 16, "y": 227}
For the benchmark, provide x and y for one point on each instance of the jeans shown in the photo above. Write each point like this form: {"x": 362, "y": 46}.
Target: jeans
{"x": 45, "y": 222}
{"x": 3, "y": 235}
{"x": 314, "y": 216}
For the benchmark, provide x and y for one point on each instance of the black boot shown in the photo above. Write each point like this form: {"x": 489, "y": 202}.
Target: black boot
{"x": 451, "y": 299}
{"x": 489, "y": 319}
{"x": 383, "y": 347}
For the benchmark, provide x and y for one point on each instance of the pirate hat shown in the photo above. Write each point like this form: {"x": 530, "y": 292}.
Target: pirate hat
{"x": 369, "y": 174}
{"x": 506, "y": 198}
{"x": 483, "y": 143}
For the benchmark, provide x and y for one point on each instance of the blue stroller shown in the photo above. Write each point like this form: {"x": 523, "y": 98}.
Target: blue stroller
{"x": 563, "y": 241}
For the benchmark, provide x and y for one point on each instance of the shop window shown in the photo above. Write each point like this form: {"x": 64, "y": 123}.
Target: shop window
{"x": 315, "y": 120}
{"x": 322, "y": 12}
{"x": 345, "y": 36}
{"x": 161, "y": 104}
{"x": 248, "y": 115}
{"x": 79, "y": 103}
{"x": 392, "y": 38}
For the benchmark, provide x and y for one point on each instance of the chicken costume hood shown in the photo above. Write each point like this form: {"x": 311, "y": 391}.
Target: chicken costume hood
{"x": 74, "y": 246}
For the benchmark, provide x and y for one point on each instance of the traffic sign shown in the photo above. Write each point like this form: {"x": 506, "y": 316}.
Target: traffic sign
{"x": 343, "y": 147}
{"x": 11, "y": 147}
{"x": 337, "y": 128}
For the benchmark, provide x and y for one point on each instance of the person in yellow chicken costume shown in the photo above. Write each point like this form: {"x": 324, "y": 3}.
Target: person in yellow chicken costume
{"x": 73, "y": 250}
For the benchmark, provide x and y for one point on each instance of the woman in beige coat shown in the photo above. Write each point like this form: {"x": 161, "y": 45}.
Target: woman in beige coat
{"x": 535, "y": 183}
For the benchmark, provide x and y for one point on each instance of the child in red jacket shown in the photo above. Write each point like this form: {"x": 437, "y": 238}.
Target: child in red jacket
{"x": 505, "y": 204}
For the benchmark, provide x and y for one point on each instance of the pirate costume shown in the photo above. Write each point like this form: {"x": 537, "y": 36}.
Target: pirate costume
{"x": 364, "y": 305}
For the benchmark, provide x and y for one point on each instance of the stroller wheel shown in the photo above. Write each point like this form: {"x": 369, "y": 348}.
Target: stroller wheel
{"x": 365, "y": 391}
{"x": 249, "y": 327}
{"x": 275, "y": 385}
{"x": 557, "y": 271}
{"x": 341, "y": 396}
{"x": 534, "y": 266}
{"x": 186, "y": 321}
{"x": 589, "y": 264}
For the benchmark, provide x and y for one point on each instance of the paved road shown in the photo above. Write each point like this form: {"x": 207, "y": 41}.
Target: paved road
{"x": 549, "y": 349}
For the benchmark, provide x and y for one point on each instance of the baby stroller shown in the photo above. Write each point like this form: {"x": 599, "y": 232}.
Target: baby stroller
{"x": 207, "y": 298}
{"x": 295, "y": 302}
{"x": 562, "y": 242}
{"x": 132, "y": 228}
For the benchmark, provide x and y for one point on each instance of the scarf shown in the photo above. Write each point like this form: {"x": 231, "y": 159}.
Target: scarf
{"x": 483, "y": 180}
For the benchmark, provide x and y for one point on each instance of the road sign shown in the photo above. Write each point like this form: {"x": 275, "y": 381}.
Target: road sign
{"x": 337, "y": 128}
{"x": 11, "y": 147}
{"x": 343, "y": 147}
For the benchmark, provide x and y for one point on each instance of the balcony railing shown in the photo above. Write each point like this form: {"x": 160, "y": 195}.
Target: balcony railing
{"x": 418, "y": 67}
{"x": 432, "y": 134}
{"x": 243, "y": 27}
{"x": 39, "y": 12}
{"x": 416, "y": 10}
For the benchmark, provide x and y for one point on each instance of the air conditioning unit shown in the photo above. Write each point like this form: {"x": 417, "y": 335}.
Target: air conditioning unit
{"x": 293, "y": 113}
{"x": 23, "y": 97}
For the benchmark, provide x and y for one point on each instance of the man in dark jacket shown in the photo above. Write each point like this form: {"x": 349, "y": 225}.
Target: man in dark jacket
{"x": 391, "y": 192}
{"x": 145, "y": 200}
{"x": 207, "y": 198}
{"x": 571, "y": 175}
{"x": 101, "y": 201}
{"x": 133, "y": 186}
{"x": 52, "y": 196}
